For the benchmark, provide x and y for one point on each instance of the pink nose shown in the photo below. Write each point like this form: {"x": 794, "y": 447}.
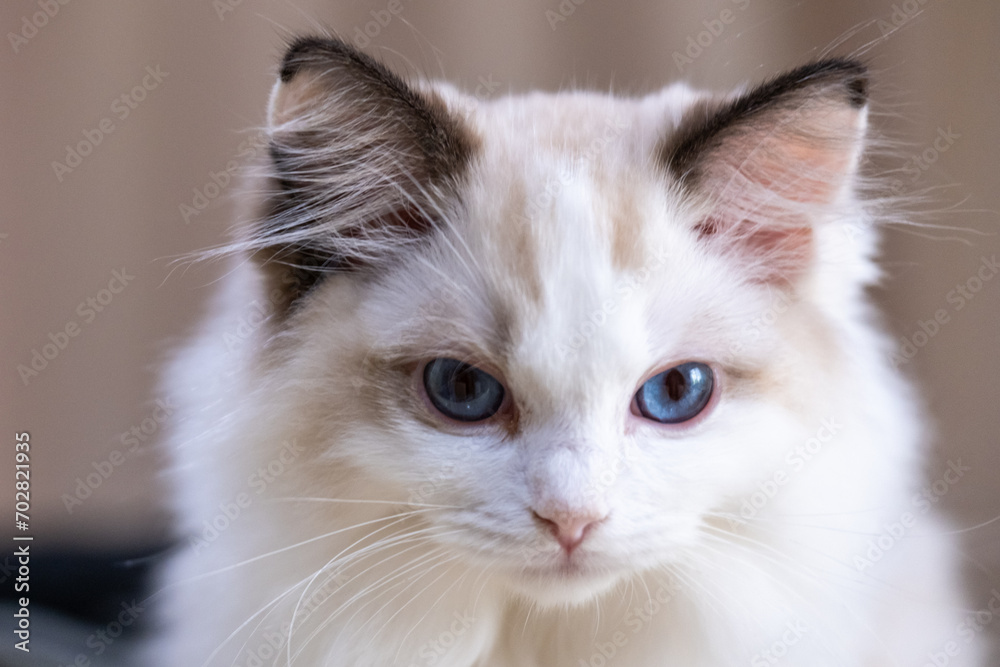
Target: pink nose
{"x": 569, "y": 528}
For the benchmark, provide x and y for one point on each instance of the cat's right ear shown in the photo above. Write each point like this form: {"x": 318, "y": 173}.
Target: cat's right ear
{"x": 771, "y": 163}
{"x": 363, "y": 163}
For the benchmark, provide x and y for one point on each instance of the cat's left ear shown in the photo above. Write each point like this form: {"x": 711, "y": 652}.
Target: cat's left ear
{"x": 363, "y": 162}
{"x": 771, "y": 163}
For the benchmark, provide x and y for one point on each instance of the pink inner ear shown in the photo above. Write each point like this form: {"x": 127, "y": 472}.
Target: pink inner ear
{"x": 708, "y": 227}
{"x": 784, "y": 254}
{"x": 771, "y": 183}
{"x": 799, "y": 156}
{"x": 792, "y": 169}
{"x": 759, "y": 226}
{"x": 771, "y": 253}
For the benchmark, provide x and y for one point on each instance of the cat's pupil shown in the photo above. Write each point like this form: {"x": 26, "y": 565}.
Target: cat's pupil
{"x": 676, "y": 385}
{"x": 465, "y": 385}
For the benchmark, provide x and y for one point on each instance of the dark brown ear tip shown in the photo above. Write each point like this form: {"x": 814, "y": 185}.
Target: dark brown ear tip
{"x": 304, "y": 51}
{"x": 851, "y": 73}
{"x": 846, "y": 74}
{"x": 858, "y": 90}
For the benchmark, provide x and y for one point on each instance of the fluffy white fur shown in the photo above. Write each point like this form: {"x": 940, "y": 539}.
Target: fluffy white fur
{"x": 569, "y": 268}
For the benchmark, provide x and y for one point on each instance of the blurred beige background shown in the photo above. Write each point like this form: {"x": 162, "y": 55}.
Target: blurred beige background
{"x": 164, "y": 95}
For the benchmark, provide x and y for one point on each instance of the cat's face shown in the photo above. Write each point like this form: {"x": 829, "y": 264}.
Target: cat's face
{"x": 569, "y": 361}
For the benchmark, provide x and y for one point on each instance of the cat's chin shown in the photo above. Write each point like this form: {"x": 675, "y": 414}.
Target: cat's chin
{"x": 560, "y": 586}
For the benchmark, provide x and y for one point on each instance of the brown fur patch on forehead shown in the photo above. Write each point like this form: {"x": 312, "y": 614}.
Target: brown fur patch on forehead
{"x": 628, "y": 252}
{"x": 514, "y": 243}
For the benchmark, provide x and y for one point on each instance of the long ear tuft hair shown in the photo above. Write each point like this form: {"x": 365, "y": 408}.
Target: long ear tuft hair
{"x": 361, "y": 164}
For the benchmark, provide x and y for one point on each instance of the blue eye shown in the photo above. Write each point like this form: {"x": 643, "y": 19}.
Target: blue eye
{"x": 461, "y": 391}
{"x": 677, "y": 394}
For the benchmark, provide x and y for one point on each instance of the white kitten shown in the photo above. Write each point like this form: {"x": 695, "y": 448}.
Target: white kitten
{"x": 555, "y": 380}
